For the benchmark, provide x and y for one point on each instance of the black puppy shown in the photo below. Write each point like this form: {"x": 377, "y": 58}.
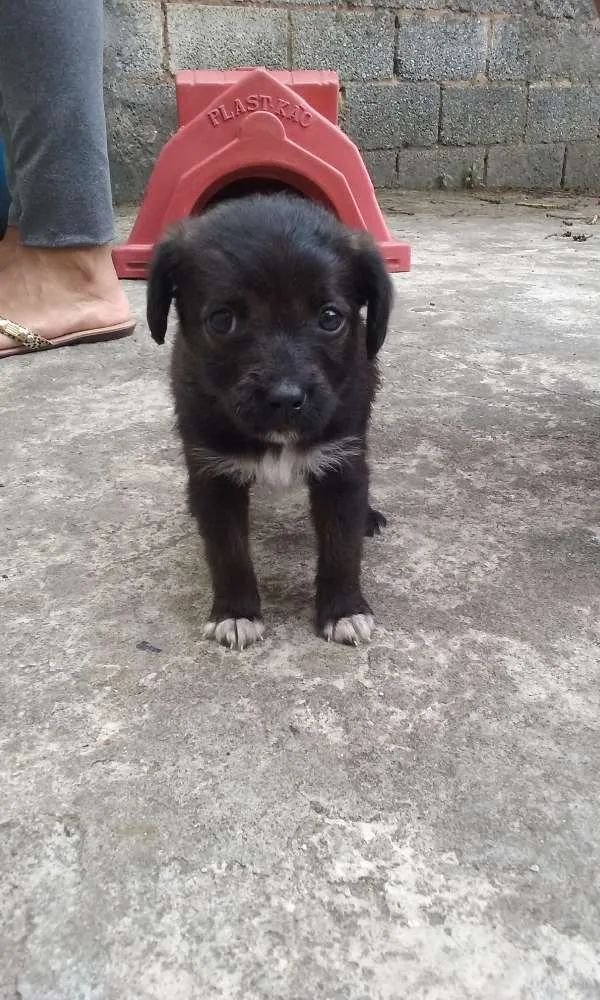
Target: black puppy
{"x": 273, "y": 374}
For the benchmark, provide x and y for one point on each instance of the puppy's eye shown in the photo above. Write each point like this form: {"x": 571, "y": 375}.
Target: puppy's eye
{"x": 331, "y": 319}
{"x": 222, "y": 321}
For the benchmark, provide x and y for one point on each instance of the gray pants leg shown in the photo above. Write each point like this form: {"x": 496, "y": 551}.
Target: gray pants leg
{"x": 53, "y": 121}
{"x": 14, "y": 211}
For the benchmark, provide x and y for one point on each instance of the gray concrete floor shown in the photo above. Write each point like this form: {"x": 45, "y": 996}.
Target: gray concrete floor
{"x": 414, "y": 820}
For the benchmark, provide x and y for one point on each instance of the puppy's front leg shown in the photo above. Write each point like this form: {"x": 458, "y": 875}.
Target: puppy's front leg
{"x": 339, "y": 505}
{"x": 221, "y": 509}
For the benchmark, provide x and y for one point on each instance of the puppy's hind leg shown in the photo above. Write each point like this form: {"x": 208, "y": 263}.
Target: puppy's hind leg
{"x": 339, "y": 506}
{"x": 221, "y": 509}
{"x": 376, "y": 521}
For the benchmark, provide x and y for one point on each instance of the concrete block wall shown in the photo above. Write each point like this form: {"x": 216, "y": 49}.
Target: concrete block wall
{"x": 436, "y": 93}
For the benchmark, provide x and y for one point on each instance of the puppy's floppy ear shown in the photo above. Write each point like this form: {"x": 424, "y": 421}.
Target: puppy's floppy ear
{"x": 162, "y": 285}
{"x": 375, "y": 289}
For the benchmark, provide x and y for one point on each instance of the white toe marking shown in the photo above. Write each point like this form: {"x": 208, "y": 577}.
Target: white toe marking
{"x": 237, "y": 633}
{"x": 351, "y": 631}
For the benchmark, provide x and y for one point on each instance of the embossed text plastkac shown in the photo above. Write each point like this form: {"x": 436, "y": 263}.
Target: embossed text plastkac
{"x": 260, "y": 102}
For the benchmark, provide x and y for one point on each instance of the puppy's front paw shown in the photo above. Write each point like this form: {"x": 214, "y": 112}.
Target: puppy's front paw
{"x": 351, "y": 630}
{"x": 237, "y": 633}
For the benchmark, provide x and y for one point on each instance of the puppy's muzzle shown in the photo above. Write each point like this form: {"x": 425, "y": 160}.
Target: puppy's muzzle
{"x": 296, "y": 403}
{"x": 285, "y": 399}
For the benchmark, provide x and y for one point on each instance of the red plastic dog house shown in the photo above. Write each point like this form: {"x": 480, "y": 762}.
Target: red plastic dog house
{"x": 250, "y": 129}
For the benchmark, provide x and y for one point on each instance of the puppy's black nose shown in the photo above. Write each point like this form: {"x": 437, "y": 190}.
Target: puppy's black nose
{"x": 286, "y": 398}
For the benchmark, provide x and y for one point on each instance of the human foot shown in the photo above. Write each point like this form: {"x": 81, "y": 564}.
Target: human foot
{"x": 60, "y": 292}
{"x": 8, "y": 246}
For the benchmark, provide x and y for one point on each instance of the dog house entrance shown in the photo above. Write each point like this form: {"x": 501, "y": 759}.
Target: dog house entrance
{"x": 251, "y": 182}
{"x": 248, "y": 131}
{"x": 242, "y": 188}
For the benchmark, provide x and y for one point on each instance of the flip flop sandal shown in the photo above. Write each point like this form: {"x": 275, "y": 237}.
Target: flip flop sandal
{"x": 30, "y": 342}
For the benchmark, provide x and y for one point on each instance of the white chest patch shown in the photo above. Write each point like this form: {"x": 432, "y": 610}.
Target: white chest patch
{"x": 280, "y": 466}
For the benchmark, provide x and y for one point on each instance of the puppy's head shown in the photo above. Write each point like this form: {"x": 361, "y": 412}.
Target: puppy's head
{"x": 269, "y": 293}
